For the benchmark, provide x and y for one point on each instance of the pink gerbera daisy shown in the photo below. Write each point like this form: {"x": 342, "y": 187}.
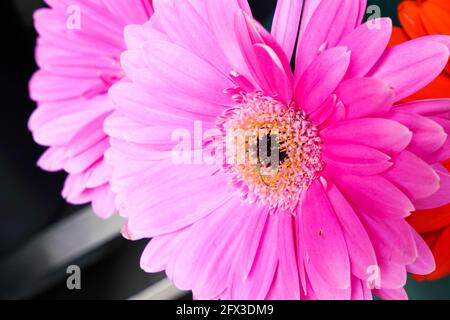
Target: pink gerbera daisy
{"x": 326, "y": 220}
{"x": 78, "y": 50}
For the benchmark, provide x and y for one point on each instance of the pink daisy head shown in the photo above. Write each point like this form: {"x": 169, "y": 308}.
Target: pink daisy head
{"x": 78, "y": 50}
{"x": 325, "y": 219}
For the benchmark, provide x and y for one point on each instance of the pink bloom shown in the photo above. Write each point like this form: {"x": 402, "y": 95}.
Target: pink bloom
{"x": 78, "y": 50}
{"x": 325, "y": 221}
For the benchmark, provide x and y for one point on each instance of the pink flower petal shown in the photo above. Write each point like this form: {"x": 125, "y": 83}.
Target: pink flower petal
{"x": 413, "y": 176}
{"x": 287, "y": 273}
{"x": 355, "y": 159}
{"x": 320, "y": 289}
{"x": 428, "y": 136}
{"x": 442, "y": 196}
{"x": 393, "y": 276}
{"x": 59, "y": 129}
{"x": 432, "y": 107}
{"x": 367, "y": 45}
{"x": 53, "y": 159}
{"x": 140, "y": 10}
{"x": 385, "y": 135}
{"x": 187, "y": 28}
{"x": 323, "y": 113}
{"x": 273, "y": 69}
{"x": 75, "y": 191}
{"x": 393, "y": 242}
{"x": 250, "y": 245}
{"x": 285, "y": 24}
{"x": 221, "y": 15}
{"x": 103, "y": 201}
{"x": 87, "y": 137}
{"x": 324, "y": 239}
{"x": 360, "y": 290}
{"x": 84, "y": 160}
{"x": 363, "y": 97}
{"x": 140, "y": 106}
{"x": 309, "y": 7}
{"x": 216, "y": 256}
{"x": 360, "y": 249}
{"x": 164, "y": 73}
{"x": 137, "y": 35}
{"x": 158, "y": 251}
{"x": 257, "y": 285}
{"x": 375, "y": 194}
{"x": 205, "y": 262}
{"x": 424, "y": 263}
{"x": 99, "y": 174}
{"x": 443, "y": 153}
{"x": 321, "y": 78}
{"x": 410, "y": 66}
{"x": 154, "y": 137}
{"x": 160, "y": 203}
{"x": 330, "y": 22}
{"x": 264, "y": 63}
{"x": 394, "y": 294}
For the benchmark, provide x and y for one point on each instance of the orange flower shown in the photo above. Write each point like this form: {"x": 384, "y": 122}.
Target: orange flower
{"x": 421, "y": 18}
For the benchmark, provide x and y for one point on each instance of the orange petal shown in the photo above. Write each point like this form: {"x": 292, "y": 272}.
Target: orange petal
{"x": 439, "y": 88}
{"x": 447, "y": 164}
{"x": 444, "y": 4}
{"x": 409, "y": 15}
{"x": 430, "y": 220}
{"x": 435, "y": 19}
{"x": 432, "y": 237}
{"x": 398, "y": 36}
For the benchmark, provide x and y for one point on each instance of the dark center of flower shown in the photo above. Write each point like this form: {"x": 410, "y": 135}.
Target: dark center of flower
{"x": 272, "y": 151}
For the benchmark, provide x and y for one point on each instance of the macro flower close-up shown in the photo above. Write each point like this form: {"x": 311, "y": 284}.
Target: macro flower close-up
{"x": 79, "y": 61}
{"x": 352, "y": 161}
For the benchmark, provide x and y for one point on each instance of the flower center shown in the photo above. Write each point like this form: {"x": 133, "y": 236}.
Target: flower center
{"x": 271, "y": 149}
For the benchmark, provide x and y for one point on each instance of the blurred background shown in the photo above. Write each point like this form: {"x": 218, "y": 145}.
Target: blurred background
{"x": 40, "y": 235}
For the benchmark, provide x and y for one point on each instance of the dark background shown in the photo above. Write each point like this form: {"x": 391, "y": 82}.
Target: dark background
{"x": 30, "y": 199}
